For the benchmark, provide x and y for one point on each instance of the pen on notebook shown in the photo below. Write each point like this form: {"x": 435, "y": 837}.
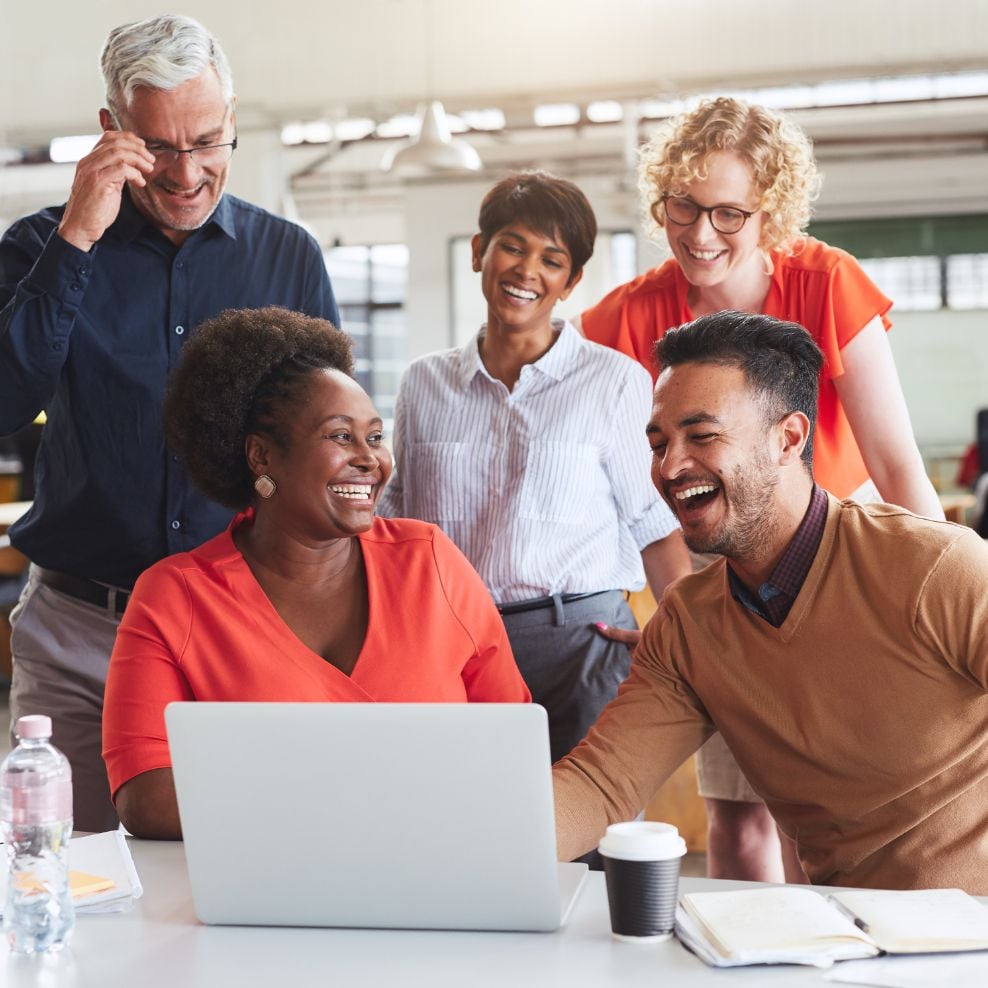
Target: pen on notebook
{"x": 856, "y": 920}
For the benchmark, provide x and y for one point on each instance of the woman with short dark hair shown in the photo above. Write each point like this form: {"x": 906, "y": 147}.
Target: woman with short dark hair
{"x": 527, "y": 446}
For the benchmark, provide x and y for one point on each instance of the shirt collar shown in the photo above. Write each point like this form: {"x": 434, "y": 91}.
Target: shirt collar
{"x": 131, "y": 222}
{"x": 778, "y": 593}
{"x": 790, "y": 571}
{"x": 554, "y": 363}
{"x": 223, "y": 217}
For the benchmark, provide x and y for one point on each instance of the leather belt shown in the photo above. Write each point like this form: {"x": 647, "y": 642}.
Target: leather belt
{"x": 537, "y": 603}
{"x": 109, "y": 598}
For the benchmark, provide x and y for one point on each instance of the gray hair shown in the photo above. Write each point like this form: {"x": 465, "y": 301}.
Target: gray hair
{"x": 160, "y": 53}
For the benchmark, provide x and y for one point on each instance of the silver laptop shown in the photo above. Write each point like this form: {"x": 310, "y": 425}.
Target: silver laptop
{"x": 404, "y": 816}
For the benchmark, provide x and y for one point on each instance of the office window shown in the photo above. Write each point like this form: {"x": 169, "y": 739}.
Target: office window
{"x": 614, "y": 262}
{"x": 370, "y": 285}
{"x": 967, "y": 281}
{"x": 913, "y": 283}
{"x": 920, "y": 262}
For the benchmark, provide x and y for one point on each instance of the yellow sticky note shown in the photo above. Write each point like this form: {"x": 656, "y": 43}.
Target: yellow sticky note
{"x": 81, "y": 884}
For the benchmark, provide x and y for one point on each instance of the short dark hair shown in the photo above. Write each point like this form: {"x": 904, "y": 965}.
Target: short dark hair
{"x": 779, "y": 360}
{"x": 551, "y": 206}
{"x": 241, "y": 372}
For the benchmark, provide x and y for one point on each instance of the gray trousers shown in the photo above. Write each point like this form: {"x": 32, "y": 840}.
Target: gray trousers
{"x": 61, "y": 648}
{"x": 570, "y": 668}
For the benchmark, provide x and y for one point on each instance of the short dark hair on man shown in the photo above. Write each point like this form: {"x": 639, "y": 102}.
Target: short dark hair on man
{"x": 553, "y": 207}
{"x": 779, "y": 360}
{"x": 241, "y": 372}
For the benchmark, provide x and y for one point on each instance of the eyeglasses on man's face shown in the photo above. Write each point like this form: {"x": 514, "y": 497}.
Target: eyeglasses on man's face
{"x": 209, "y": 156}
{"x": 724, "y": 219}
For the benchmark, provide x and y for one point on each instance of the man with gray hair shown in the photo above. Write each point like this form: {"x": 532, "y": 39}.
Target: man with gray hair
{"x": 96, "y": 299}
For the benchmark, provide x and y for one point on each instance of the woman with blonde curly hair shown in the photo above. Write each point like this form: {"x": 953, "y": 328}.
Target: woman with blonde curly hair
{"x": 731, "y": 184}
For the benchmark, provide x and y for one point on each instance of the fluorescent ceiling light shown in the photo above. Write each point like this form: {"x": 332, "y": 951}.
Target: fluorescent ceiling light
{"x": 833, "y": 92}
{"x": 605, "y": 111}
{"x": 402, "y": 125}
{"x": 556, "y": 114}
{"x": 293, "y": 133}
{"x": 354, "y": 128}
{"x": 318, "y": 132}
{"x": 658, "y": 108}
{"x": 490, "y": 118}
{"x": 960, "y": 84}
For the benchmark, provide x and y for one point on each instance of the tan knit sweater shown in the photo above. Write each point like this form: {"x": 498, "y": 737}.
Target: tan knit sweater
{"x": 862, "y": 721}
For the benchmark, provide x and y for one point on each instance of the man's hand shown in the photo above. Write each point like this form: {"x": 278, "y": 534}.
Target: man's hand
{"x": 94, "y": 202}
{"x": 623, "y": 635}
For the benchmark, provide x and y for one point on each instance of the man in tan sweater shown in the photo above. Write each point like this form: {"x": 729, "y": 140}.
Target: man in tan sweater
{"x": 840, "y": 649}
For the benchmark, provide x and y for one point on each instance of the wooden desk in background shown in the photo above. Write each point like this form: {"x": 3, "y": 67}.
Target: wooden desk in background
{"x": 956, "y": 505}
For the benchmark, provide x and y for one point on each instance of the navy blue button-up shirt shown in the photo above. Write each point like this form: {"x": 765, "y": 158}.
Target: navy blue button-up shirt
{"x": 91, "y": 337}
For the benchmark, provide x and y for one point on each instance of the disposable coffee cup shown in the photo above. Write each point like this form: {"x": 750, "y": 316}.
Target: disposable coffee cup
{"x": 641, "y": 865}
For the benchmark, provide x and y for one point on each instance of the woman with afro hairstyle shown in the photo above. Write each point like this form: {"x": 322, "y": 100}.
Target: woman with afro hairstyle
{"x": 307, "y": 596}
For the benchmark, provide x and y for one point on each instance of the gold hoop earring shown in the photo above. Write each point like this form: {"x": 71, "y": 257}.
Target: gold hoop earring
{"x": 265, "y": 486}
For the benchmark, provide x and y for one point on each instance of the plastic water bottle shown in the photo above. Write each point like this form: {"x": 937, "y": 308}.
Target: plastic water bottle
{"x": 36, "y": 817}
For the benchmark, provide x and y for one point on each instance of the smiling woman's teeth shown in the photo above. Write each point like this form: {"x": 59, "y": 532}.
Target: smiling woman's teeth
{"x": 352, "y": 492}
{"x": 521, "y": 293}
{"x": 693, "y": 491}
{"x": 705, "y": 255}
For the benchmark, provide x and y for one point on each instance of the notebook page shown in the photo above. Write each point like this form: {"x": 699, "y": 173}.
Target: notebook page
{"x": 770, "y": 919}
{"x": 918, "y": 920}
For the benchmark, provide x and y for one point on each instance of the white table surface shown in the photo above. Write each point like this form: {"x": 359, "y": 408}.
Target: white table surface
{"x": 161, "y": 943}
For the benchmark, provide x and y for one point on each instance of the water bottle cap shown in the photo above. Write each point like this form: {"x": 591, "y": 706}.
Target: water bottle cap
{"x": 33, "y": 726}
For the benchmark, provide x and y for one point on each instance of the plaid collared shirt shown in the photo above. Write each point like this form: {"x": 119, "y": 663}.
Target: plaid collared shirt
{"x": 778, "y": 593}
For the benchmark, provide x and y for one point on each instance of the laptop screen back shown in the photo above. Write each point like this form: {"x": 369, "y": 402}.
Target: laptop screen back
{"x": 434, "y": 816}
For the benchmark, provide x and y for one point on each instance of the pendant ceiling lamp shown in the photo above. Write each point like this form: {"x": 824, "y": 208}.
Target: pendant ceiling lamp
{"x": 433, "y": 150}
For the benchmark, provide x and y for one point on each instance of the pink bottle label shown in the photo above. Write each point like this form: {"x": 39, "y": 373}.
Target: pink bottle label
{"x": 50, "y": 803}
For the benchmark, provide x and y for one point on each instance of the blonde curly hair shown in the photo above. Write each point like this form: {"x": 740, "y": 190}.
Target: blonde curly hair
{"x": 777, "y": 151}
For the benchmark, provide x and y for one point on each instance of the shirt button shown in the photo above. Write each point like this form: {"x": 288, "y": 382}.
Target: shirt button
{"x": 179, "y": 330}
{"x": 176, "y": 525}
{"x": 174, "y": 459}
{"x": 83, "y": 271}
{"x": 57, "y": 346}
{"x": 75, "y": 286}
{"x": 180, "y": 266}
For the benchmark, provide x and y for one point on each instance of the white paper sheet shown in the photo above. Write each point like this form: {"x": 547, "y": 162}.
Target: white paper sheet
{"x": 916, "y": 971}
{"x": 107, "y": 856}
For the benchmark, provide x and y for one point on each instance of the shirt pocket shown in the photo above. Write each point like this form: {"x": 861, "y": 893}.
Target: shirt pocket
{"x": 560, "y": 481}
{"x": 436, "y": 485}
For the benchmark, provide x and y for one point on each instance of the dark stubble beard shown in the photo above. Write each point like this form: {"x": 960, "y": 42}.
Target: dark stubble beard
{"x": 751, "y": 525}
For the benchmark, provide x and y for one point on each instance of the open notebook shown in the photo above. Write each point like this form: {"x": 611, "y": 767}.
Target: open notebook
{"x": 793, "y": 925}
{"x": 387, "y": 815}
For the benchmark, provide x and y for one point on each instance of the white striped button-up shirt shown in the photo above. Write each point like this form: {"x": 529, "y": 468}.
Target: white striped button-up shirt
{"x": 544, "y": 488}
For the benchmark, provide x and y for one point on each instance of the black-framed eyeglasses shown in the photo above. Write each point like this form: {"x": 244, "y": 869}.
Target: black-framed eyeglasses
{"x": 206, "y": 157}
{"x": 724, "y": 219}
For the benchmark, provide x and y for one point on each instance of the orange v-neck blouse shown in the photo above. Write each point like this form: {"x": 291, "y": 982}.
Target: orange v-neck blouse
{"x": 199, "y": 627}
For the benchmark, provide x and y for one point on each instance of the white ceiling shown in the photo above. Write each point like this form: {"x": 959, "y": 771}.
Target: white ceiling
{"x": 305, "y": 59}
